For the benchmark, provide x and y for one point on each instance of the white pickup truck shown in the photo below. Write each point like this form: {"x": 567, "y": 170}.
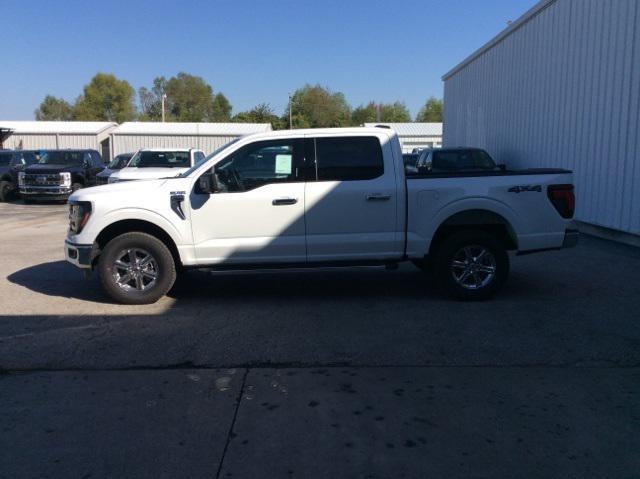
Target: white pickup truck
{"x": 337, "y": 197}
{"x": 154, "y": 163}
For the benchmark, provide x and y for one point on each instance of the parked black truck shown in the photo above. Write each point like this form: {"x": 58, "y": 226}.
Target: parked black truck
{"x": 12, "y": 162}
{"x": 59, "y": 173}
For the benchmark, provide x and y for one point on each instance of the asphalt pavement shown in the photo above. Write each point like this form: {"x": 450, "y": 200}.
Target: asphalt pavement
{"x": 358, "y": 372}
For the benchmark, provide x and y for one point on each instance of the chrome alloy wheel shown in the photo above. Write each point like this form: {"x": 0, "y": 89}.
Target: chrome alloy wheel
{"x": 135, "y": 269}
{"x": 473, "y": 267}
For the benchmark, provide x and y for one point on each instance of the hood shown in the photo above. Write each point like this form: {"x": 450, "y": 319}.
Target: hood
{"x": 121, "y": 189}
{"x": 146, "y": 173}
{"x": 52, "y": 168}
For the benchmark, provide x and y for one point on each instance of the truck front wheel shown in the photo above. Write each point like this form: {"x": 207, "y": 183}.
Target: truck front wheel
{"x": 136, "y": 268}
{"x": 472, "y": 265}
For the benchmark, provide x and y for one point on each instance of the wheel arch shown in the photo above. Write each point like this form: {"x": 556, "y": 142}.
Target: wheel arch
{"x": 478, "y": 219}
{"x": 132, "y": 225}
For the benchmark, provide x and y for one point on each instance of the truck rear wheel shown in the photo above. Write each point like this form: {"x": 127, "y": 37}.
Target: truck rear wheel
{"x": 136, "y": 268}
{"x": 472, "y": 265}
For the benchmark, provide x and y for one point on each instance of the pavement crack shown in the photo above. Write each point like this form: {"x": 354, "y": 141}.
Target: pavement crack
{"x": 233, "y": 422}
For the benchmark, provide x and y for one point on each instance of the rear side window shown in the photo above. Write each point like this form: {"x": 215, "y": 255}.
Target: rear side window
{"x": 349, "y": 158}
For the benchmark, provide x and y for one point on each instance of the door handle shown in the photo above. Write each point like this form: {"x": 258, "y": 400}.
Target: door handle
{"x": 284, "y": 201}
{"x": 378, "y": 197}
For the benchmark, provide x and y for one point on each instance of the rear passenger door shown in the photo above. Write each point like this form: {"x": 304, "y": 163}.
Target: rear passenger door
{"x": 351, "y": 208}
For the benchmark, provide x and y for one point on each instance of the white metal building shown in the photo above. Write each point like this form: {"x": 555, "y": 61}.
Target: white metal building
{"x": 560, "y": 87}
{"x": 56, "y": 134}
{"x": 415, "y": 135}
{"x": 132, "y": 136}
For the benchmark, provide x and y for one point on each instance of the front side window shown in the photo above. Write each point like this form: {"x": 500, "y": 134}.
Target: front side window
{"x": 258, "y": 164}
{"x": 198, "y": 157}
{"x": 119, "y": 162}
{"x": 161, "y": 159}
{"x": 5, "y": 159}
{"x": 349, "y": 158}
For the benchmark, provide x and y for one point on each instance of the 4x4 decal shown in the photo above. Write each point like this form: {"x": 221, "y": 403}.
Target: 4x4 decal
{"x": 523, "y": 188}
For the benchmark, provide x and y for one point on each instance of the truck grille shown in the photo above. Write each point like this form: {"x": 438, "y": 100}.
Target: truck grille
{"x": 43, "y": 180}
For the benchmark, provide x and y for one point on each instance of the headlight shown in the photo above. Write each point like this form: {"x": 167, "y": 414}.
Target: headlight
{"x": 65, "y": 179}
{"x": 79, "y": 213}
{"x": 21, "y": 178}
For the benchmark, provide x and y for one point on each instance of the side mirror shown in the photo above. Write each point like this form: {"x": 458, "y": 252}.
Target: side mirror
{"x": 206, "y": 184}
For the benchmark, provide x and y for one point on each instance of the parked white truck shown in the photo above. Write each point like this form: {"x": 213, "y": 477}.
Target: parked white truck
{"x": 316, "y": 198}
{"x": 154, "y": 163}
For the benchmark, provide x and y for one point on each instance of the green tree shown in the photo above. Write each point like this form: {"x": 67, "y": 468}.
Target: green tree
{"x": 396, "y": 112}
{"x": 54, "y": 109}
{"x": 431, "y": 112}
{"x": 262, "y": 113}
{"x": 151, "y": 100}
{"x": 317, "y": 107}
{"x": 106, "y": 98}
{"x": 190, "y": 98}
{"x": 221, "y": 109}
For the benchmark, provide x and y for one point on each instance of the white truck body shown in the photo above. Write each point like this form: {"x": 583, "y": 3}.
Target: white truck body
{"x": 382, "y": 220}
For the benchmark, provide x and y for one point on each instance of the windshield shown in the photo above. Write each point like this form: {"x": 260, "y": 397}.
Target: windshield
{"x": 119, "y": 162}
{"x": 68, "y": 158}
{"x": 161, "y": 159}
{"x": 215, "y": 152}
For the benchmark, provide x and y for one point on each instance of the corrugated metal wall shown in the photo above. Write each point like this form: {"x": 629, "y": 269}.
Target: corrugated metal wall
{"x": 563, "y": 90}
{"x": 131, "y": 143}
{"x": 42, "y": 141}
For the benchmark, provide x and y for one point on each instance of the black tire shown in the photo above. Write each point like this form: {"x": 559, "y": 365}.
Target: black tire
{"x": 28, "y": 202}
{"x": 164, "y": 269}
{"x": 6, "y": 190}
{"x": 478, "y": 284}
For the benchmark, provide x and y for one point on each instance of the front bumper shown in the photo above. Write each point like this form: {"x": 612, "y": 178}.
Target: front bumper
{"x": 79, "y": 255}
{"x": 45, "y": 192}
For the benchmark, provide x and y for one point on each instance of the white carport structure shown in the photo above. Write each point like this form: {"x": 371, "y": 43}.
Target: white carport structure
{"x": 415, "y": 135}
{"x": 35, "y": 135}
{"x": 131, "y": 136}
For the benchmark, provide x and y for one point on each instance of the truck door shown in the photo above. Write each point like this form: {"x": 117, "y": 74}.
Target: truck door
{"x": 351, "y": 211}
{"x": 257, "y": 213}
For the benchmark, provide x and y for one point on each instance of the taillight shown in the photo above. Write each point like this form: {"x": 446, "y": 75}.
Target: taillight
{"x": 563, "y": 199}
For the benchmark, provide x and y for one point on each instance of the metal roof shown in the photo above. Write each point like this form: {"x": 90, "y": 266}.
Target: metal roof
{"x": 412, "y": 129}
{"x": 513, "y": 26}
{"x": 194, "y": 129}
{"x": 60, "y": 127}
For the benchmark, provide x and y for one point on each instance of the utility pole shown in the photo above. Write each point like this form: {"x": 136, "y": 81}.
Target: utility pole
{"x": 164, "y": 97}
{"x": 290, "y": 117}
{"x": 378, "y": 115}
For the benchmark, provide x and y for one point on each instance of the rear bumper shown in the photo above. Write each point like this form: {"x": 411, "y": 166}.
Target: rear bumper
{"x": 79, "y": 255}
{"x": 570, "y": 238}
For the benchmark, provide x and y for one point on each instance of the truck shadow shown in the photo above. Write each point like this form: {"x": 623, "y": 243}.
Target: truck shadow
{"x": 271, "y": 285}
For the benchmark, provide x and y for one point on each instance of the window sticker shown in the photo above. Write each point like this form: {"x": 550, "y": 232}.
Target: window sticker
{"x": 283, "y": 164}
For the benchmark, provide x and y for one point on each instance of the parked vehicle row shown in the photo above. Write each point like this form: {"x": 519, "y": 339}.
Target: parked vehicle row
{"x": 45, "y": 175}
{"x": 324, "y": 197}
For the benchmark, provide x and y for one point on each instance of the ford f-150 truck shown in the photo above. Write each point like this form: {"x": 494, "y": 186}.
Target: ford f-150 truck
{"x": 321, "y": 197}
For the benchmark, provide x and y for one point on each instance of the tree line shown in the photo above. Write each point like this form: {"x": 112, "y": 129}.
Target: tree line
{"x": 189, "y": 98}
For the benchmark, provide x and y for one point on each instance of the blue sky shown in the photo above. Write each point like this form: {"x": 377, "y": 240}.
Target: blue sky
{"x": 252, "y": 51}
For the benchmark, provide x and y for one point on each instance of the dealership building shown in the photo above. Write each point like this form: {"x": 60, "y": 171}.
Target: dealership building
{"x": 37, "y": 135}
{"x": 134, "y": 135}
{"x": 560, "y": 87}
{"x": 415, "y": 135}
